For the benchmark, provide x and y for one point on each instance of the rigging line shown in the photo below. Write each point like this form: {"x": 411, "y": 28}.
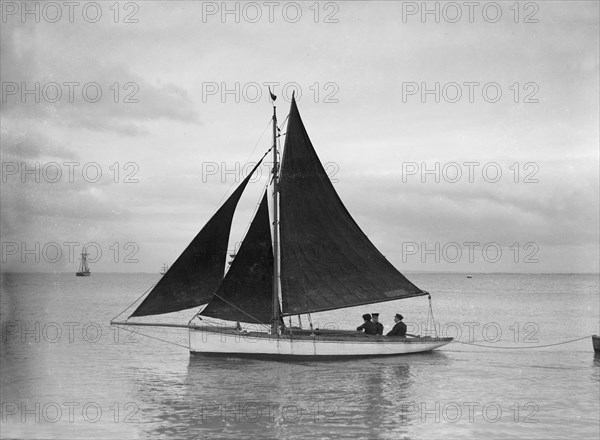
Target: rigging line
{"x": 255, "y": 211}
{"x": 232, "y": 305}
{"x": 432, "y": 318}
{"x": 123, "y": 311}
{"x": 215, "y": 294}
{"x": 252, "y": 152}
{"x": 236, "y": 307}
{"x": 258, "y": 141}
{"x": 521, "y": 348}
{"x": 283, "y": 123}
{"x": 154, "y": 337}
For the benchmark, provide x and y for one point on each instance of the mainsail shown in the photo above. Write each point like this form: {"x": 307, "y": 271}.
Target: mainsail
{"x": 245, "y": 293}
{"x": 327, "y": 262}
{"x": 193, "y": 278}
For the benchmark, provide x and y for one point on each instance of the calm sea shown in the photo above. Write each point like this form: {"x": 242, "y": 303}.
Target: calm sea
{"x": 67, "y": 374}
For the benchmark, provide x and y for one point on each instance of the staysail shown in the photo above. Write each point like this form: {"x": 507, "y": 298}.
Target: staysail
{"x": 327, "y": 262}
{"x": 196, "y": 274}
{"x": 245, "y": 293}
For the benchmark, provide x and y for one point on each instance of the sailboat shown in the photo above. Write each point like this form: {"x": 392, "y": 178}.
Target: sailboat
{"x": 164, "y": 269}
{"x": 84, "y": 270}
{"x": 308, "y": 256}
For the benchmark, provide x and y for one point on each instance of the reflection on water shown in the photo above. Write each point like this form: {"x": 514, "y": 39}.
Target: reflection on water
{"x": 221, "y": 397}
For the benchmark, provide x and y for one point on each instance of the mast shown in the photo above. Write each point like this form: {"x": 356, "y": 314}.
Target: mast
{"x": 275, "y": 323}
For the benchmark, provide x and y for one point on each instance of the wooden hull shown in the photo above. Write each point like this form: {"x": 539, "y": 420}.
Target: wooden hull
{"x": 215, "y": 341}
{"x": 596, "y": 343}
{"x": 82, "y": 274}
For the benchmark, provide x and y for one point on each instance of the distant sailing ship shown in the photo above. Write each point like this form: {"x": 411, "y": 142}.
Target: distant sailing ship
{"x": 84, "y": 270}
{"x": 164, "y": 269}
{"x": 272, "y": 278}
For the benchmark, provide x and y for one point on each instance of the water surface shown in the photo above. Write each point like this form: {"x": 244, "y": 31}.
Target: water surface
{"x": 67, "y": 374}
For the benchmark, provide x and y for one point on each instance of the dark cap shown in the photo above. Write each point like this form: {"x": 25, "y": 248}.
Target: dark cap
{"x": 367, "y": 317}
{"x": 375, "y": 315}
{"x": 399, "y": 316}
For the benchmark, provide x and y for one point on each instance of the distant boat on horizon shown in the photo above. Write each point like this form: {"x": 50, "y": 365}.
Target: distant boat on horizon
{"x": 84, "y": 270}
{"x": 164, "y": 269}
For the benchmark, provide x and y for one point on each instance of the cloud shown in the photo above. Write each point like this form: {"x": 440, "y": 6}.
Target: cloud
{"x": 104, "y": 95}
{"x": 550, "y": 212}
{"x": 32, "y": 145}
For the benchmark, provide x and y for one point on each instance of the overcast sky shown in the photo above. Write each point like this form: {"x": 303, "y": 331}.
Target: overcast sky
{"x": 359, "y": 70}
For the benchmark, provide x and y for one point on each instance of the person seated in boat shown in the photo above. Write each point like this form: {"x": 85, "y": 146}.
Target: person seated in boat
{"x": 368, "y": 326}
{"x": 377, "y": 323}
{"x": 400, "y": 327}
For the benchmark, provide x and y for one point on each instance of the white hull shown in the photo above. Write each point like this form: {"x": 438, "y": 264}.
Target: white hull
{"x": 215, "y": 341}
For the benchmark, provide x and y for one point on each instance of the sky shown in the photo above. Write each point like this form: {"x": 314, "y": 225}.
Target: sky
{"x": 461, "y": 138}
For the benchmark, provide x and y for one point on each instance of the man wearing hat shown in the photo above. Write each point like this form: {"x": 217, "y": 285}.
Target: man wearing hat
{"x": 368, "y": 326}
{"x": 400, "y": 327}
{"x": 377, "y": 323}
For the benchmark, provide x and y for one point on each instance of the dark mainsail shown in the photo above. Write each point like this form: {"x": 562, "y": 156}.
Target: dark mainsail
{"x": 246, "y": 291}
{"x": 327, "y": 262}
{"x": 196, "y": 274}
